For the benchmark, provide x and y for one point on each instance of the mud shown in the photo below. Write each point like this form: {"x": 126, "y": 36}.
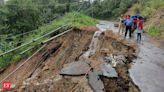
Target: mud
{"x": 64, "y": 49}
{"x": 90, "y": 28}
{"x": 114, "y": 44}
{"x": 147, "y": 69}
{"x": 41, "y": 73}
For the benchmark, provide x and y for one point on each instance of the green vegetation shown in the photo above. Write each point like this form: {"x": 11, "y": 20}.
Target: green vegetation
{"x": 73, "y": 19}
{"x": 34, "y": 18}
{"x": 154, "y": 31}
{"x": 107, "y": 9}
{"x": 150, "y": 9}
{"x": 19, "y": 16}
{"x": 147, "y": 8}
{"x": 81, "y": 20}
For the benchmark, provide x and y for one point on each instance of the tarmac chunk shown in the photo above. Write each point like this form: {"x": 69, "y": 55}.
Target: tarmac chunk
{"x": 95, "y": 82}
{"x": 108, "y": 71}
{"x": 75, "y": 68}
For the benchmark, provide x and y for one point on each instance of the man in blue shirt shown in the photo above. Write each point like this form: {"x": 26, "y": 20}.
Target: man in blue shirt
{"x": 128, "y": 23}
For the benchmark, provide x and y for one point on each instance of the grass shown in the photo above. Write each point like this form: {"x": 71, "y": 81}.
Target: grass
{"x": 154, "y": 31}
{"x": 74, "y": 19}
{"x": 150, "y": 9}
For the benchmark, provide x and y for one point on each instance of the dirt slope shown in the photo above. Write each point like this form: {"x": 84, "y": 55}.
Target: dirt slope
{"x": 68, "y": 48}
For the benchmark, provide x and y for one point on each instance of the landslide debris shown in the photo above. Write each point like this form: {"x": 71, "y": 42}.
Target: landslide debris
{"x": 41, "y": 73}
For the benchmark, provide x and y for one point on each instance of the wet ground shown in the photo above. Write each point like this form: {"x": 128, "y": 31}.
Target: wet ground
{"x": 148, "y": 70}
{"x": 42, "y": 72}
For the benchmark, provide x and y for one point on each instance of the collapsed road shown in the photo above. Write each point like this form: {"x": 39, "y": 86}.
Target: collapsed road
{"x": 103, "y": 57}
{"x": 147, "y": 70}
{"x": 95, "y": 69}
{"x": 87, "y": 67}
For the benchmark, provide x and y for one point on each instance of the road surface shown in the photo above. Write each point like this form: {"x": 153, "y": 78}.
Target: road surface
{"x": 148, "y": 70}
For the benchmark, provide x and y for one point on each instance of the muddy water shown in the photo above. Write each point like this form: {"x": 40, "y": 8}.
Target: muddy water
{"x": 148, "y": 71}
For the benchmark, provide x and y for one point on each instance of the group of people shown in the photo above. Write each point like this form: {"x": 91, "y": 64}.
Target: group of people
{"x": 130, "y": 24}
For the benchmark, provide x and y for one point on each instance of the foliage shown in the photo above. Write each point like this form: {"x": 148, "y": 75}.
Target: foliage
{"x": 73, "y": 19}
{"x": 109, "y": 8}
{"x": 3, "y": 19}
{"x": 148, "y": 7}
{"x": 19, "y": 16}
{"x": 154, "y": 31}
{"x": 80, "y": 20}
{"x": 22, "y": 17}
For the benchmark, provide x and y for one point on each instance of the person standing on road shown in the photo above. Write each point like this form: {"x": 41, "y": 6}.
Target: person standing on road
{"x": 121, "y": 24}
{"x": 139, "y": 29}
{"x": 134, "y": 25}
{"x": 128, "y": 23}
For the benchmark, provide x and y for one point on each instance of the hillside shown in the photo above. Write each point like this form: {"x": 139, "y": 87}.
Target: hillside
{"x": 153, "y": 12}
{"x": 71, "y": 19}
{"x": 42, "y": 71}
{"x": 67, "y": 46}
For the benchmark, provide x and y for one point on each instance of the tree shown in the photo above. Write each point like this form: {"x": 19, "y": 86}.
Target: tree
{"x": 109, "y": 8}
{"x": 23, "y": 16}
{"x": 3, "y": 20}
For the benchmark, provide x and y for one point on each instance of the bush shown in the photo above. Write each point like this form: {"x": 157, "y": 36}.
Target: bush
{"x": 149, "y": 7}
{"x": 73, "y": 19}
{"x": 154, "y": 31}
{"x": 148, "y": 12}
{"x": 136, "y": 9}
{"x": 109, "y": 9}
{"x": 156, "y": 4}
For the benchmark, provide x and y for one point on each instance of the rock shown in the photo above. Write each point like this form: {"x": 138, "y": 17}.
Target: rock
{"x": 13, "y": 86}
{"x": 120, "y": 58}
{"x": 107, "y": 59}
{"x": 29, "y": 79}
{"x": 37, "y": 84}
{"x": 47, "y": 81}
{"x": 108, "y": 71}
{"x": 95, "y": 81}
{"x": 45, "y": 68}
{"x": 23, "y": 87}
{"x": 57, "y": 78}
{"x": 104, "y": 51}
{"x": 114, "y": 63}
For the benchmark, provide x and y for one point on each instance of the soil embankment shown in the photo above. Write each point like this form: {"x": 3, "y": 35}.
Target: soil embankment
{"x": 41, "y": 73}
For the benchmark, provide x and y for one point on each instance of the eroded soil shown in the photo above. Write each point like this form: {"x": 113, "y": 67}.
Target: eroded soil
{"x": 114, "y": 44}
{"x": 41, "y": 73}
